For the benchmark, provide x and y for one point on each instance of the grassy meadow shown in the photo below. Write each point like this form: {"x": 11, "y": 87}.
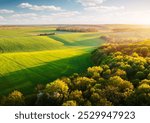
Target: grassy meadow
{"x": 27, "y": 59}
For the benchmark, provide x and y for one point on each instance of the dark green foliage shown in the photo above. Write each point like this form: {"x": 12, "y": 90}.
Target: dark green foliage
{"x": 15, "y": 98}
{"x": 141, "y": 95}
{"x": 144, "y": 51}
{"x": 70, "y": 103}
{"x": 77, "y": 29}
{"x": 31, "y": 99}
{"x": 57, "y": 91}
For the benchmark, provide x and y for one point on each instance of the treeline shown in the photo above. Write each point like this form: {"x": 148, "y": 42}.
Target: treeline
{"x": 128, "y": 49}
{"x": 121, "y": 77}
{"x": 116, "y": 39}
{"x": 77, "y": 29}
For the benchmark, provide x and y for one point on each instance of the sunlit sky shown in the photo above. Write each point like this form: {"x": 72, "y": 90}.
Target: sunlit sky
{"x": 74, "y": 12}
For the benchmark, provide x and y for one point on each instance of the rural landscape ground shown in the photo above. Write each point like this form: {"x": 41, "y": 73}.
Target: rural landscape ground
{"x": 28, "y": 59}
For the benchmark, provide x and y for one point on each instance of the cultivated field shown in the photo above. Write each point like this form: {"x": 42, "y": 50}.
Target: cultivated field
{"x": 27, "y": 59}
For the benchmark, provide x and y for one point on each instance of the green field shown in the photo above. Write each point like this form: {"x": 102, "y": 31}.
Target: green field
{"x": 27, "y": 59}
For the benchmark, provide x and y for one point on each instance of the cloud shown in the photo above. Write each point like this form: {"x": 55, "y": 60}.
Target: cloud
{"x": 90, "y": 3}
{"x": 5, "y": 11}
{"x": 24, "y": 15}
{"x": 112, "y": 7}
{"x": 104, "y": 8}
{"x": 62, "y": 17}
{"x": 96, "y": 6}
{"x": 27, "y": 18}
{"x": 66, "y": 14}
{"x": 40, "y": 8}
{"x": 1, "y": 18}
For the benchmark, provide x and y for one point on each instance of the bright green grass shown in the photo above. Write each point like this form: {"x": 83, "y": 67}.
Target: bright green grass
{"x": 25, "y": 70}
{"x": 21, "y": 60}
{"x": 30, "y": 43}
{"x": 22, "y": 39}
{"x": 27, "y": 59}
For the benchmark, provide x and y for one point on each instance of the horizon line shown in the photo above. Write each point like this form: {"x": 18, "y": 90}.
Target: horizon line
{"x": 70, "y": 24}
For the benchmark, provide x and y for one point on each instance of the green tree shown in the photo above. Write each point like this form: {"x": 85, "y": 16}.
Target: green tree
{"x": 144, "y": 51}
{"x": 148, "y": 77}
{"x": 95, "y": 72}
{"x": 98, "y": 100}
{"x": 121, "y": 73}
{"x": 106, "y": 74}
{"x": 77, "y": 96}
{"x": 57, "y": 92}
{"x": 15, "y": 98}
{"x": 83, "y": 83}
{"x": 70, "y": 103}
{"x": 117, "y": 90}
{"x": 140, "y": 75}
{"x": 141, "y": 96}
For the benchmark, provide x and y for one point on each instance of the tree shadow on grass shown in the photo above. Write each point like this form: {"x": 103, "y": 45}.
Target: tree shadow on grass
{"x": 89, "y": 42}
{"x": 65, "y": 42}
{"x": 25, "y": 80}
{"x": 86, "y": 42}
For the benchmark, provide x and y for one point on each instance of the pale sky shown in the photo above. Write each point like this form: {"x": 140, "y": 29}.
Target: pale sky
{"x": 74, "y": 12}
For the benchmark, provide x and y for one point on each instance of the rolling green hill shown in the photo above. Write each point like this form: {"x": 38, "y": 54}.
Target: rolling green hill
{"x": 28, "y": 59}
